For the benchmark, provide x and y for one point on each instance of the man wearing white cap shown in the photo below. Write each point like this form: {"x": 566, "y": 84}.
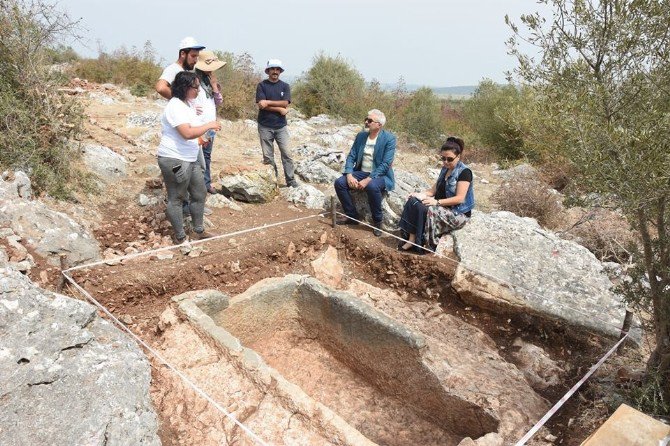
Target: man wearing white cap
{"x": 188, "y": 56}
{"x": 273, "y": 97}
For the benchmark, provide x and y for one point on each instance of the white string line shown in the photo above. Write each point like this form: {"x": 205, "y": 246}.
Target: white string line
{"x": 197, "y": 389}
{"x": 565, "y": 397}
{"x": 167, "y": 248}
{"x": 487, "y": 275}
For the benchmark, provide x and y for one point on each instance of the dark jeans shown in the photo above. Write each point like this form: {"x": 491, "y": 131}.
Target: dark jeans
{"x": 374, "y": 190}
{"x": 413, "y": 219}
{"x": 207, "y": 153}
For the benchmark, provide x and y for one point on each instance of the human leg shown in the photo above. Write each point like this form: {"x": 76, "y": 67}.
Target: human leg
{"x": 176, "y": 185}
{"x": 344, "y": 195}
{"x": 207, "y": 153}
{"x": 412, "y": 222}
{"x": 441, "y": 221}
{"x": 197, "y": 191}
{"x": 282, "y": 138}
{"x": 266, "y": 136}
{"x": 374, "y": 190}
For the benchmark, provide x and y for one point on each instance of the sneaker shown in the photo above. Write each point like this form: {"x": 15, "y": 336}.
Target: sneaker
{"x": 202, "y": 235}
{"x": 207, "y": 211}
{"x": 345, "y": 221}
{"x": 377, "y": 231}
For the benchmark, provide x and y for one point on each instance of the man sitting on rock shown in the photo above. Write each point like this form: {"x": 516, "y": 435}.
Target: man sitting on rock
{"x": 368, "y": 168}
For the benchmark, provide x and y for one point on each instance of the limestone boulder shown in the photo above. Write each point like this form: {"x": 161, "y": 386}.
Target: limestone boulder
{"x": 306, "y": 195}
{"x": 510, "y": 263}
{"x": 66, "y": 375}
{"x": 48, "y": 232}
{"x": 15, "y": 185}
{"x": 536, "y": 365}
{"x": 219, "y": 201}
{"x": 315, "y": 171}
{"x": 250, "y": 187}
{"x": 105, "y": 163}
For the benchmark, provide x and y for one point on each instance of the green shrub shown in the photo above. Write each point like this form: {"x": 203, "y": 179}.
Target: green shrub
{"x": 238, "y": 79}
{"x": 134, "y": 68}
{"x": 37, "y": 120}
{"x": 488, "y": 112}
{"x": 331, "y": 86}
{"x": 421, "y": 117}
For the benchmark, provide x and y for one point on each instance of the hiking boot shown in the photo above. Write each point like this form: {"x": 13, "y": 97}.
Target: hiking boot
{"x": 202, "y": 235}
{"x": 377, "y": 231}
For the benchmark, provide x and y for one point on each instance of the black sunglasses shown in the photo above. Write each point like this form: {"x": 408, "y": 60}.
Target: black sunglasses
{"x": 448, "y": 158}
{"x": 369, "y": 121}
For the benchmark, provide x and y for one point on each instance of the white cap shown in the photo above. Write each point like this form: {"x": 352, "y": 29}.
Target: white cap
{"x": 274, "y": 63}
{"x": 189, "y": 43}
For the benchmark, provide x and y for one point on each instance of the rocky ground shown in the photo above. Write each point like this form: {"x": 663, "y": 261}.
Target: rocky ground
{"x": 551, "y": 345}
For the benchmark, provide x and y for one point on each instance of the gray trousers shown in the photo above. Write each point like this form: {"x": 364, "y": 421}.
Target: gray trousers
{"x": 188, "y": 180}
{"x": 267, "y": 136}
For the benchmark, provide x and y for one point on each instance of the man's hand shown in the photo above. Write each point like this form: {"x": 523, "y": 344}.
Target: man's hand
{"x": 363, "y": 183}
{"x": 352, "y": 182}
{"x": 283, "y": 111}
{"x": 262, "y": 103}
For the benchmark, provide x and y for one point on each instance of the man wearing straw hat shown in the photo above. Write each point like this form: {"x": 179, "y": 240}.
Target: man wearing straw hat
{"x": 273, "y": 97}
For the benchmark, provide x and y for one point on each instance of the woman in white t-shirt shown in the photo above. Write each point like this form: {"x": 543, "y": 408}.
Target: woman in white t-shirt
{"x": 178, "y": 156}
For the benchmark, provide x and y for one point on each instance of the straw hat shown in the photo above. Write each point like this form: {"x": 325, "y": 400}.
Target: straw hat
{"x": 207, "y": 61}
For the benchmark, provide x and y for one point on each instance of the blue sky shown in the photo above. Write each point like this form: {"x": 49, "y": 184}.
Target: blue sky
{"x": 428, "y": 42}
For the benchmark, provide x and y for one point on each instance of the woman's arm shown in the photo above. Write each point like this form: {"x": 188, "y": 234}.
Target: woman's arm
{"x": 189, "y": 132}
{"x": 461, "y": 191}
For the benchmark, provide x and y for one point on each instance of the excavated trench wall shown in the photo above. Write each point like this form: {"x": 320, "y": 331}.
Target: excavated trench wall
{"x": 393, "y": 359}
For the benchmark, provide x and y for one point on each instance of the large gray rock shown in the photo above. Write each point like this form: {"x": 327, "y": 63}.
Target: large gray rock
{"x": 108, "y": 165}
{"x": 309, "y": 196}
{"x": 316, "y": 172}
{"x": 511, "y": 263}
{"x": 15, "y": 185}
{"x": 49, "y": 232}
{"x": 250, "y": 187}
{"x": 68, "y": 377}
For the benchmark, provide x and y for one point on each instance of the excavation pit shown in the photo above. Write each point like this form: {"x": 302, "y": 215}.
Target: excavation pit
{"x": 386, "y": 383}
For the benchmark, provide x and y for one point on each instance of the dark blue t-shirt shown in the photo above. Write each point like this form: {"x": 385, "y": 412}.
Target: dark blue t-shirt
{"x": 278, "y": 91}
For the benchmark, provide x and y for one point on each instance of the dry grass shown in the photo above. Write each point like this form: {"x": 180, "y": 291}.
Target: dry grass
{"x": 529, "y": 197}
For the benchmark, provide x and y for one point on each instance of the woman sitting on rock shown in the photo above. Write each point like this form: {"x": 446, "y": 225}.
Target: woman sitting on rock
{"x": 443, "y": 208}
{"x": 178, "y": 156}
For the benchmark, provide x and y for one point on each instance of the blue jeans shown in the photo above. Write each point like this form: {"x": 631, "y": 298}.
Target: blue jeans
{"x": 374, "y": 190}
{"x": 207, "y": 152}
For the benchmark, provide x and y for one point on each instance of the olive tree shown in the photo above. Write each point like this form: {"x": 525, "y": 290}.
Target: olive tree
{"x": 600, "y": 71}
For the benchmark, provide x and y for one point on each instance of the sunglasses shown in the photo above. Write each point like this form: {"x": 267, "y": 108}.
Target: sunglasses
{"x": 369, "y": 121}
{"x": 448, "y": 158}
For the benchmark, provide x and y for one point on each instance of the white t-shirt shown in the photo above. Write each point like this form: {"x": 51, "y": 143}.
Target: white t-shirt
{"x": 172, "y": 144}
{"x": 208, "y": 107}
{"x": 368, "y": 151}
{"x": 170, "y": 72}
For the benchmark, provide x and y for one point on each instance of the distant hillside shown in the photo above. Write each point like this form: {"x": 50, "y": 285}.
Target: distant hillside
{"x": 464, "y": 91}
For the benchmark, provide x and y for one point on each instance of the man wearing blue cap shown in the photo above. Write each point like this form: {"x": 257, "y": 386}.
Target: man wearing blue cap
{"x": 273, "y": 98}
{"x": 188, "y": 56}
